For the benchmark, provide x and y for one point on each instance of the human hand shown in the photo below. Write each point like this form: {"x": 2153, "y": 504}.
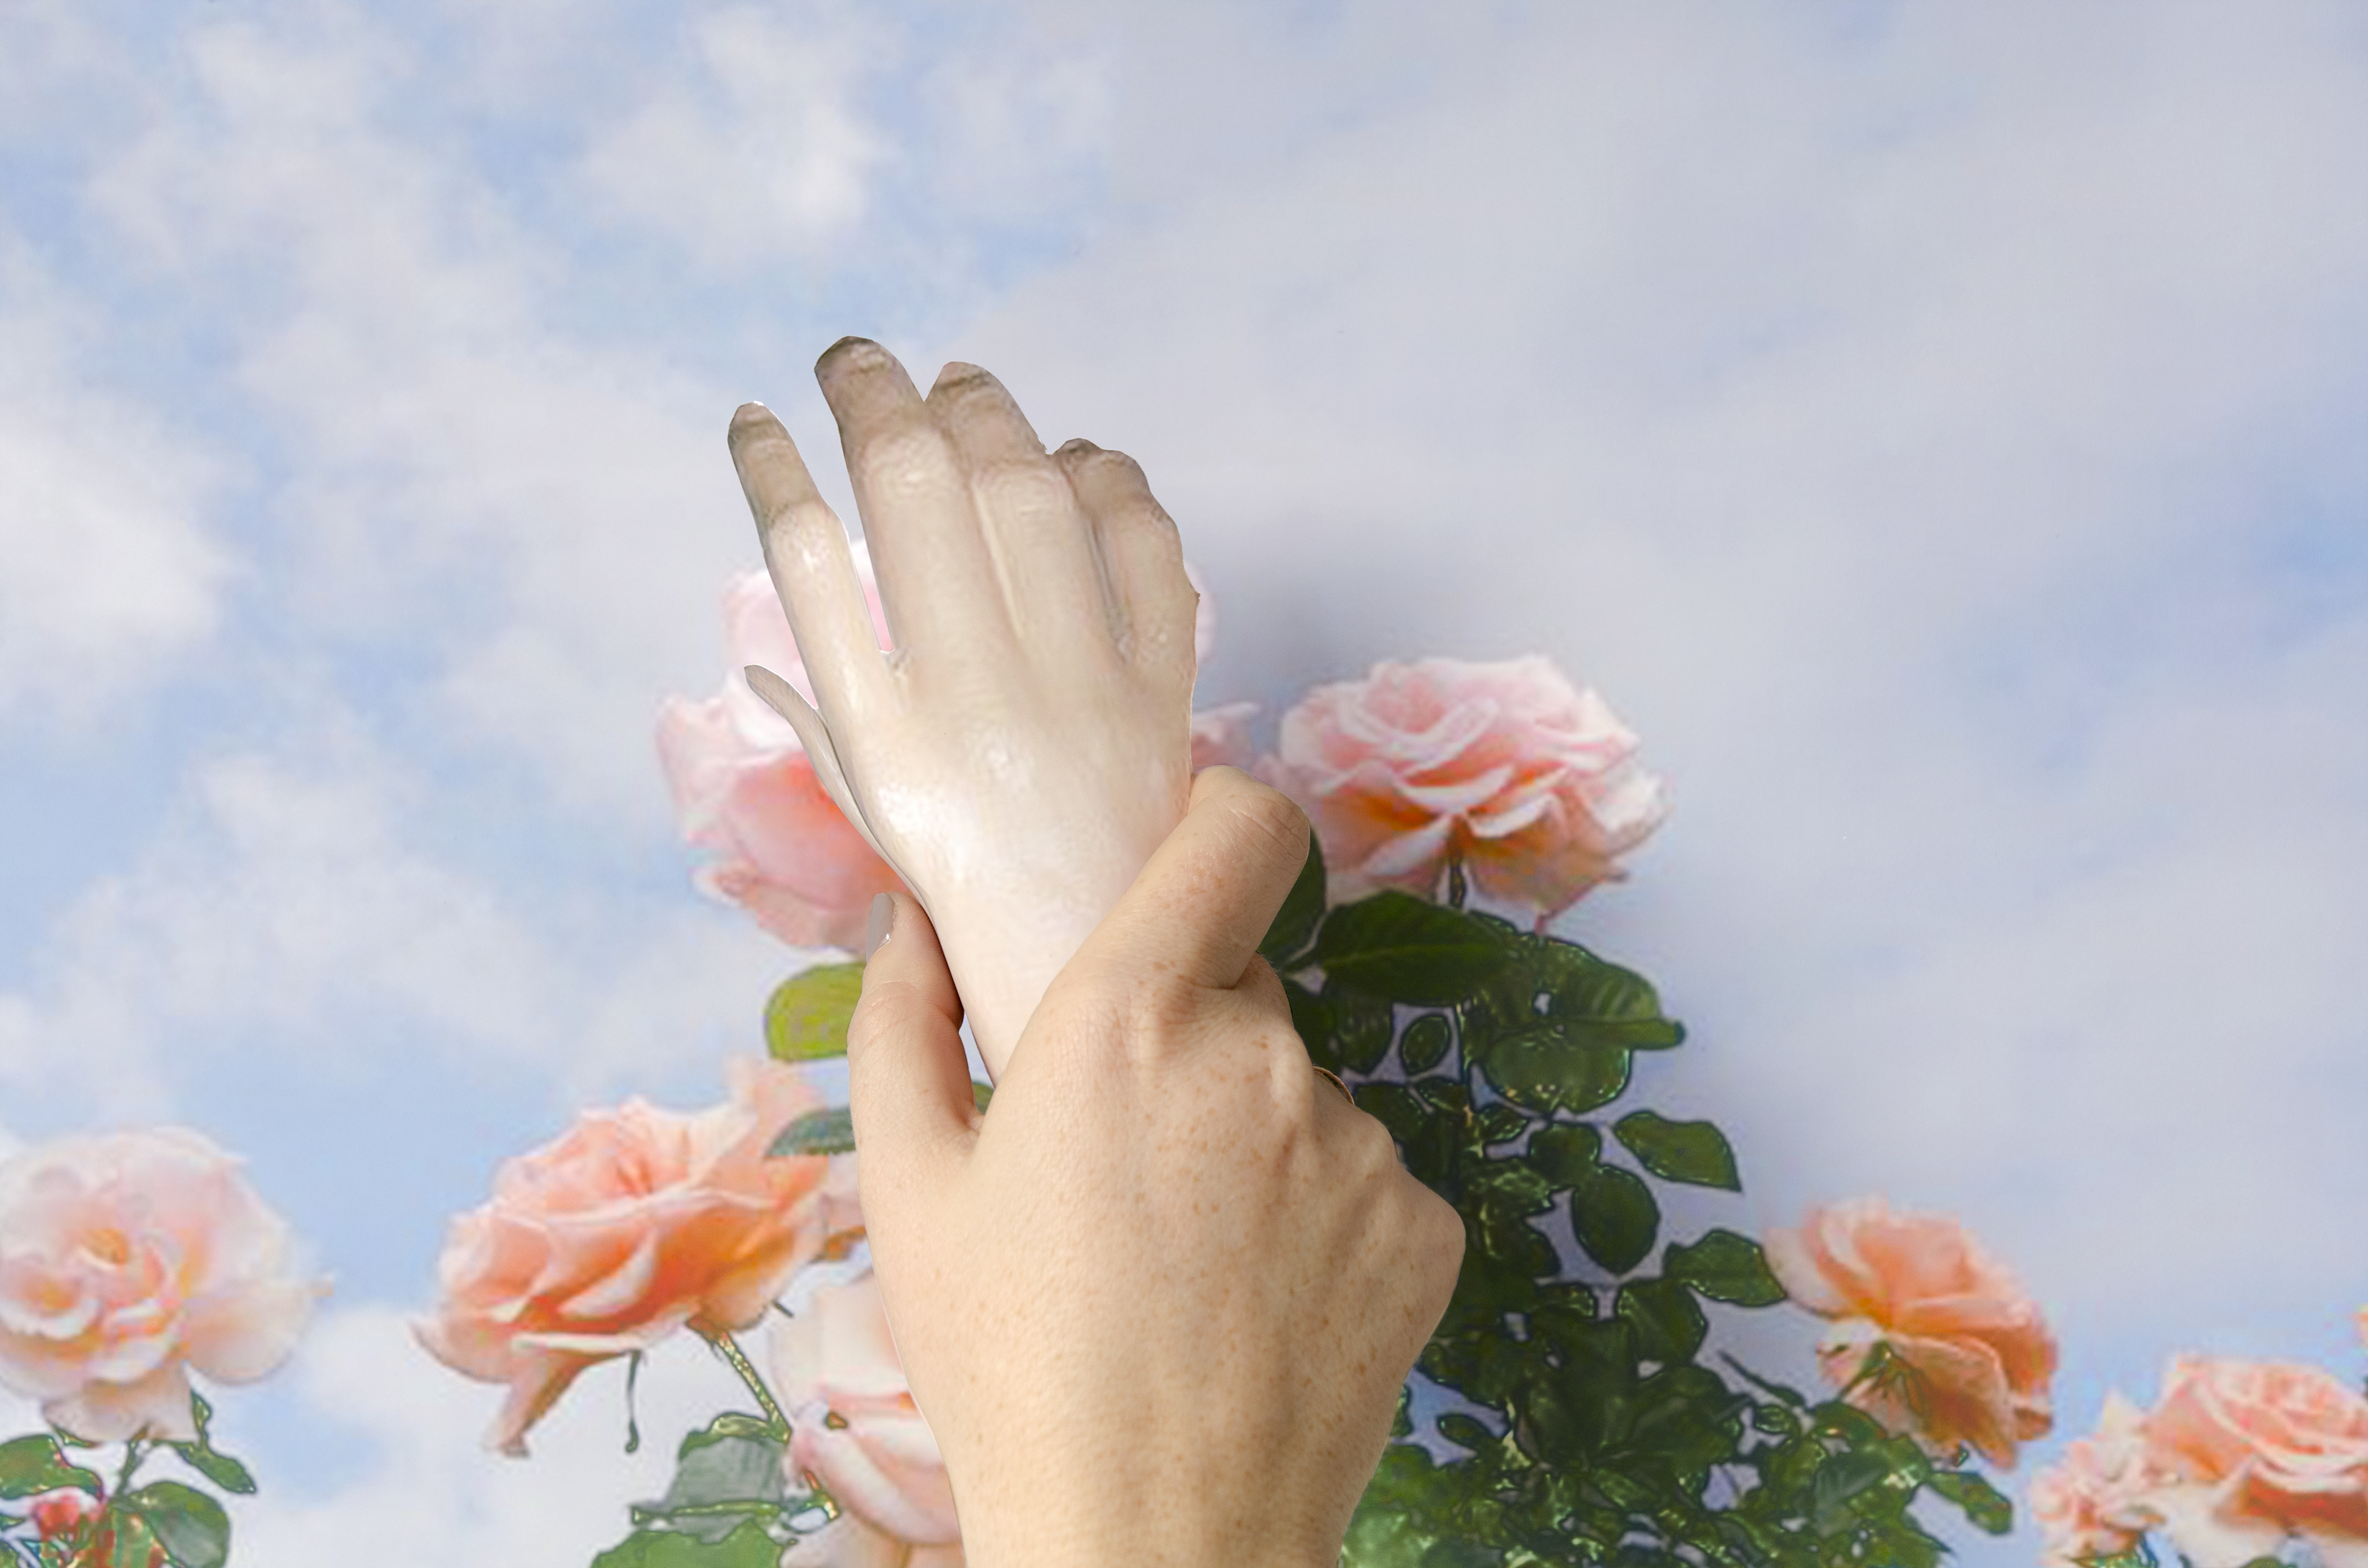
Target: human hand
{"x": 1028, "y": 743}
{"x": 1157, "y": 1303}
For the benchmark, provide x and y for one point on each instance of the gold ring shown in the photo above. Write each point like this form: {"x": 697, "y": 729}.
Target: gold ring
{"x": 1336, "y": 1083}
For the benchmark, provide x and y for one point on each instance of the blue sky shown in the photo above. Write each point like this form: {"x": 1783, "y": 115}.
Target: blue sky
{"x": 1933, "y": 427}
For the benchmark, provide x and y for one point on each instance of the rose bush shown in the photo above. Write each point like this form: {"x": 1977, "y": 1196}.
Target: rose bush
{"x": 1965, "y": 1356}
{"x": 129, "y": 1260}
{"x": 1531, "y": 783}
{"x": 857, "y": 1431}
{"x": 636, "y": 1223}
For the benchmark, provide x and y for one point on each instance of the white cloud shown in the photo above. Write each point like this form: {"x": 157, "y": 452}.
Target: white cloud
{"x": 108, "y": 572}
{"x": 301, "y": 910}
{"x": 763, "y": 152}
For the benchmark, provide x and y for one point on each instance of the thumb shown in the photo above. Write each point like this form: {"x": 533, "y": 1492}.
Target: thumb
{"x": 908, "y": 1084}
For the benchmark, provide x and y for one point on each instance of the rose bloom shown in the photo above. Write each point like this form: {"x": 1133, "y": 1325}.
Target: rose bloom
{"x": 835, "y": 1359}
{"x": 636, "y": 1222}
{"x": 2257, "y": 1450}
{"x": 1972, "y": 1359}
{"x": 744, "y": 787}
{"x": 126, "y": 1262}
{"x": 1530, "y": 782}
{"x": 2096, "y": 1500}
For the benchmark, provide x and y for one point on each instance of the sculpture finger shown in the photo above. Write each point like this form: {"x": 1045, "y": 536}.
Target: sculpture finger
{"x": 813, "y": 569}
{"x": 937, "y": 579}
{"x": 1144, "y": 557}
{"x": 1054, "y": 584}
{"x": 820, "y": 749}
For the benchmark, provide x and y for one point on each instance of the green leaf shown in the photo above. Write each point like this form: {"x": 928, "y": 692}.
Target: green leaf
{"x": 1692, "y": 1151}
{"x": 1500, "y": 1123}
{"x": 36, "y": 1464}
{"x": 1724, "y": 1268}
{"x": 188, "y": 1523}
{"x": 827, "y": 1132}
{"x": 134, "y": 1542}
{"x": 1303, "y": 906}
{"x": 1566, "y": 1154}
{"x": 1543, "y": 1068}
{"x": 1614, "y": 1217}
{"x": 1311, "y": 1019}
{"x": 723, "y": 1477}
{"x": 1984, "y": 1506}
{"x": 207, "y": 1460}
{"x": 1399, "y": 946}
{"x": 1361, "y": 1026}
{"x": 979, "y": 1094}
{"x": 1840, "y": 1481}
{"x": 1670, "y": 1324}
{"x": 1425, "y": 1043}
{"x": 806, "y": 1018}
{"x": 1602, "y": 1002}
{"x": 218, "y": 1468}
{"x": 748, "y": 1546}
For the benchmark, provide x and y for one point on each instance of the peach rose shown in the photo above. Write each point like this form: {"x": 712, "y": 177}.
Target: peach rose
{"x": 2255, "y": 1451}
{"x": 1530, "y": 782}
{"x": 744, "y": 787}
{"x": 635, "y": 1224}
{"x": 1970, "y": 1359}
{"x": 2095, "y": 1500}
{"x": 129, "y": 1260}
{"x": 856, "y": 1430}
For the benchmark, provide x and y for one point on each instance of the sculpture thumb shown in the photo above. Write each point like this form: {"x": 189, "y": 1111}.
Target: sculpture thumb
{"x": 908, "y": 1082}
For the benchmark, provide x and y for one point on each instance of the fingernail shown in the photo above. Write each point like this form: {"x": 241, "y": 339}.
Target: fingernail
{"x": 883, "y": 914}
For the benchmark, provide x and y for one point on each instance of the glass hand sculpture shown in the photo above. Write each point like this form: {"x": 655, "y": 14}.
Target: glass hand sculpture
{"x": 1027, "y": 743}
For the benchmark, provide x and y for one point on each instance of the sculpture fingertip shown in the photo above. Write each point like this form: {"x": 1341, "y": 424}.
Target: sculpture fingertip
{"x": 846, "y": 353}
{"x": 751, "y": 419}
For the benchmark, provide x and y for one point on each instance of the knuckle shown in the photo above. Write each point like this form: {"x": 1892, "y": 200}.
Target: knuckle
{"x": 1271, "y": 818}
{"x": 909, "y": 455}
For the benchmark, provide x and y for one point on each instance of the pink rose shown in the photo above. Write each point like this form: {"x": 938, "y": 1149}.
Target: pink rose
{"x": 2254, "y": 1451}
{"x": 2093, "y": 1502}
{"x": 635, "y": 1224}
{"x": 126, "y": 1262}
{"x": 856, "y": 1430}
{"x": 743, "y": 786}
{"x": 1530, "y": 782}
{"x": 1969, "y": 1359}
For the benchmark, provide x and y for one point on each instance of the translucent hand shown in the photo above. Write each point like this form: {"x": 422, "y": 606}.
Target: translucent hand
{"x": 1027, "y": 745}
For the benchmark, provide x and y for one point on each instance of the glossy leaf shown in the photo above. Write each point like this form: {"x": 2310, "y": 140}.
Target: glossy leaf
{"x": 827, "y": 1132}
{"x": 1726, "y": 1267}
{"x": 34, "y": 1464}
{"x": 1361, "y": 1026}
{"x": 1985, "y": 1507}
{"x": 1403, "y": 948}
{"x": 1543, "y": 1068}
{"x": 1565, "y": 1154}
{"x": 1692, "y": 1151}
{"x": 1669, "y": 1322}
{"x": 1303, "y": 906}
{"x": 188, "y": 1523}
{"x": 806, "y": 1019}
{"x": 1614, "y": 1217}
{"x": 1425, "y": 1043}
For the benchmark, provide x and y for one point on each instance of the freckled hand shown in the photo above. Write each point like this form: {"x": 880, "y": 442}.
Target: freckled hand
{"x": 1028, "y": 743}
